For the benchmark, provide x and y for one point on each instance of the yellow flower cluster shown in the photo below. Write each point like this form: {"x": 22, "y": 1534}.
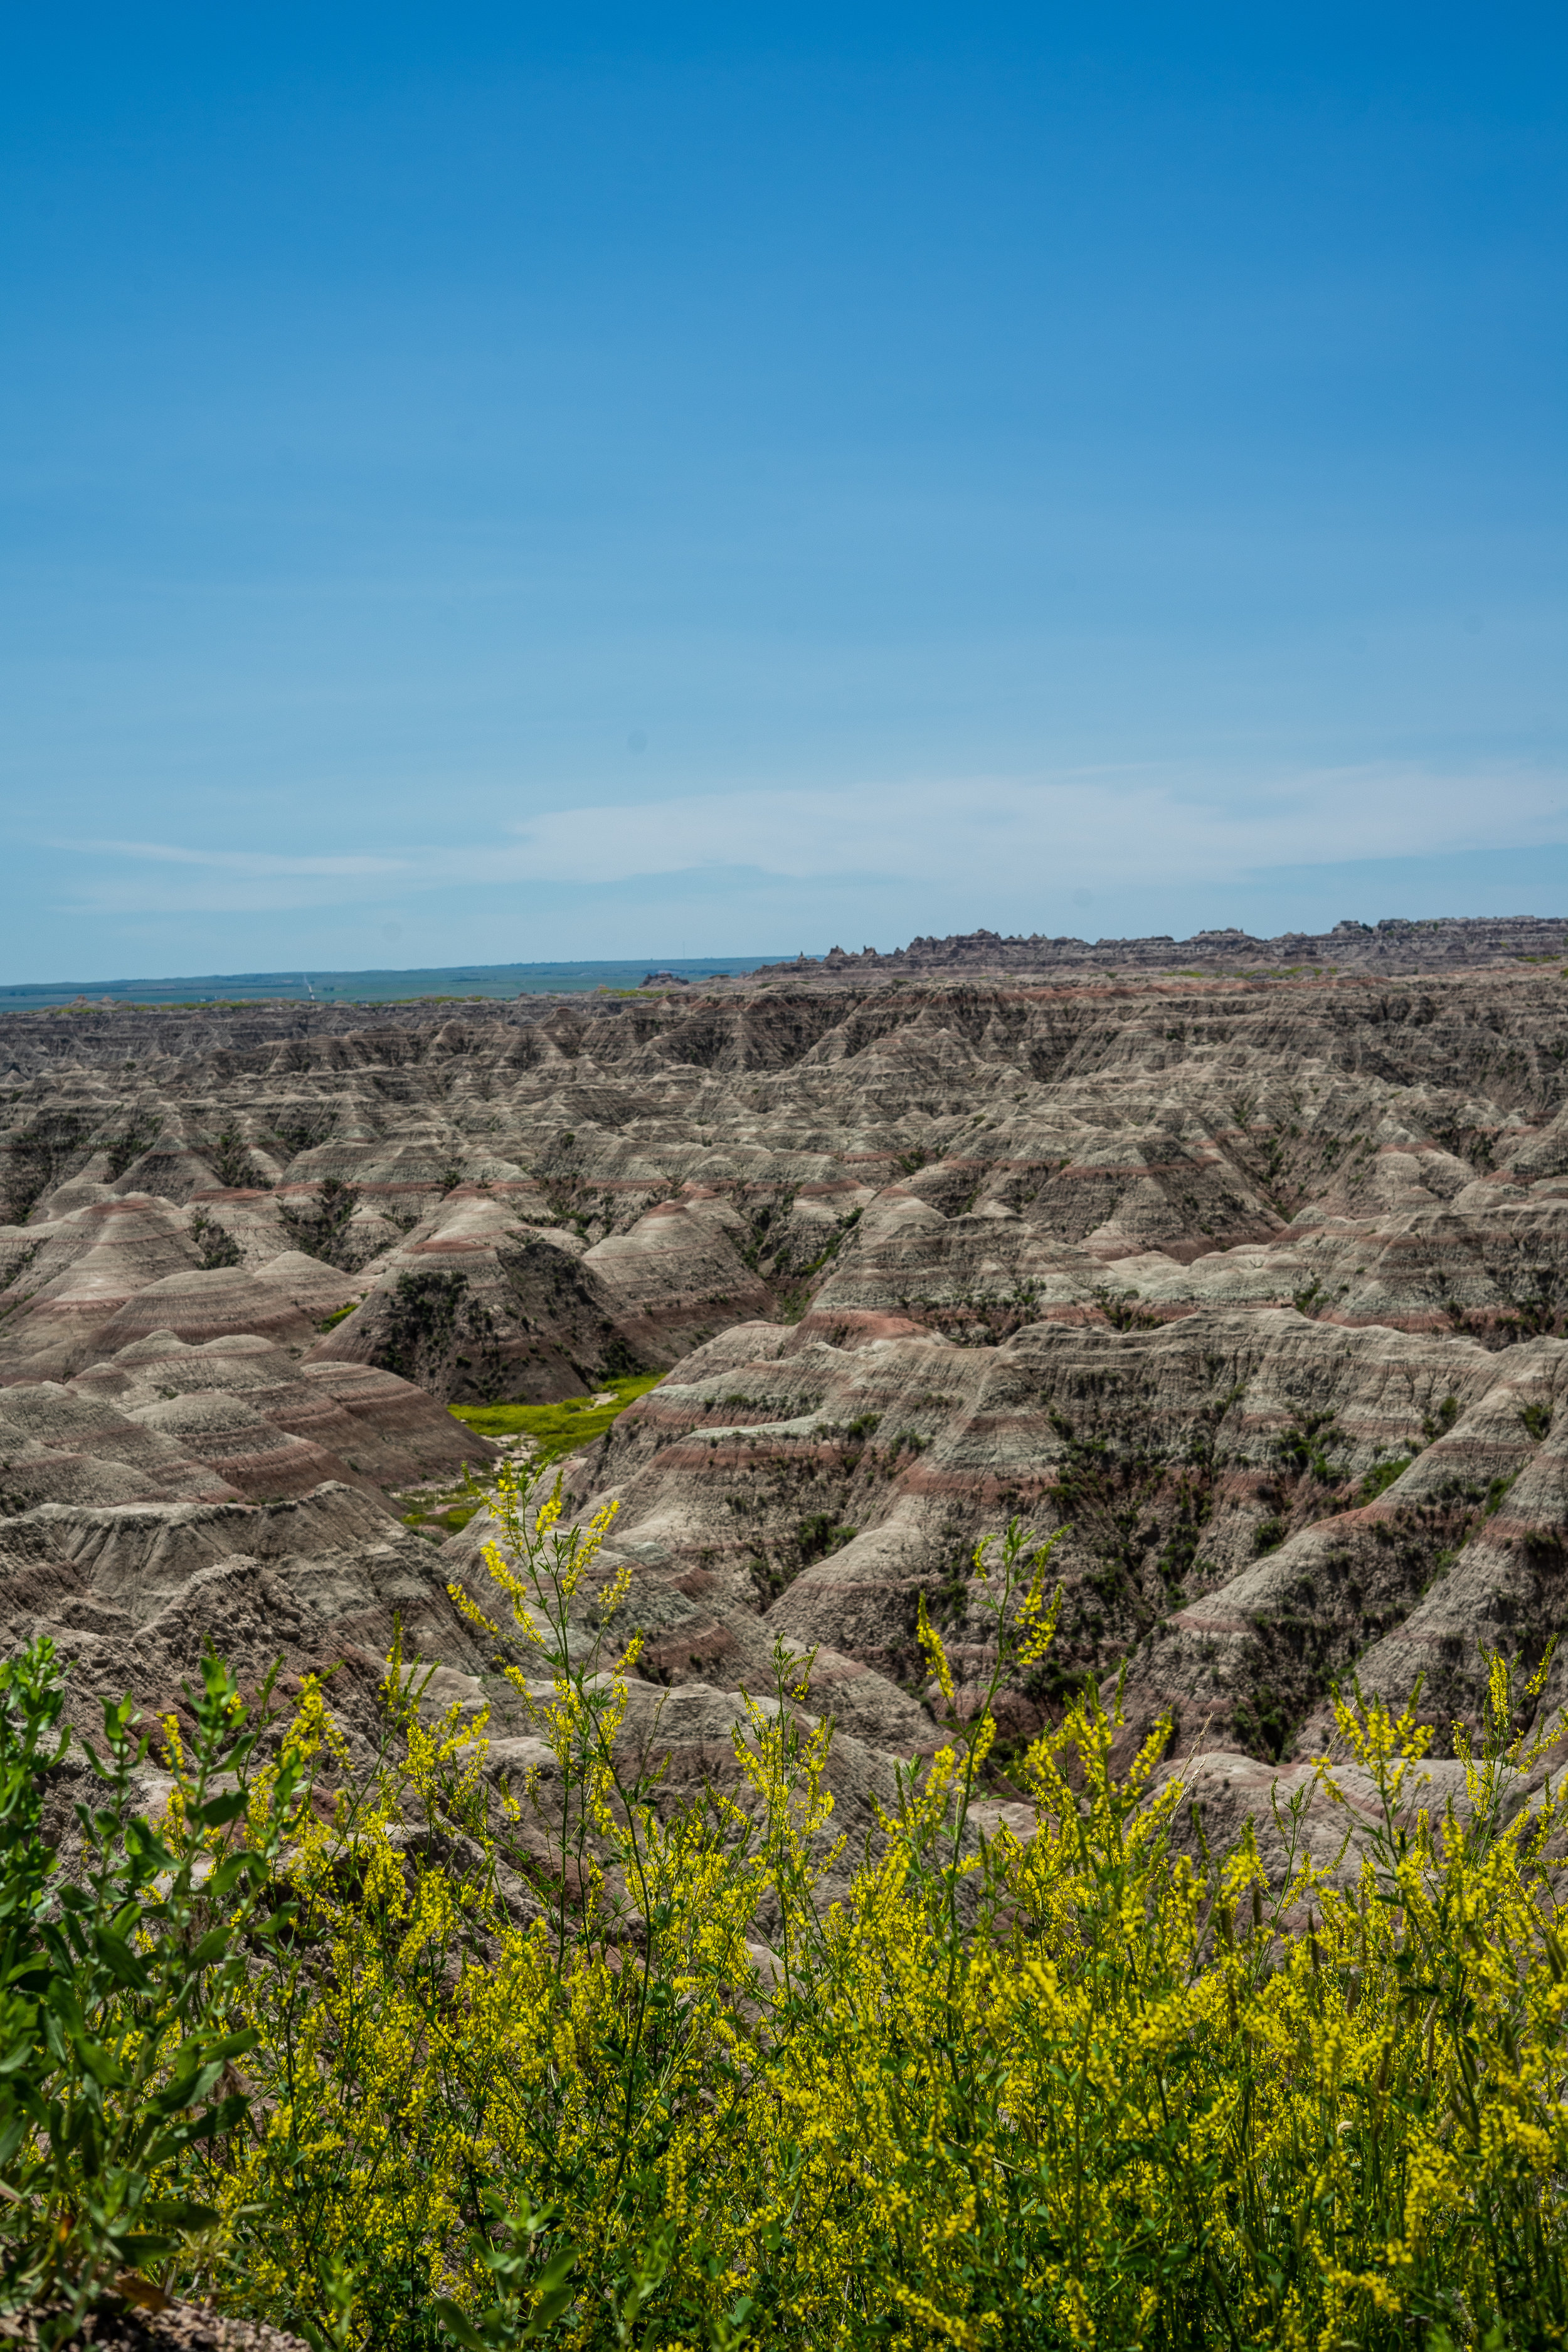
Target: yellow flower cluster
{"x": 1092, "y": 2086}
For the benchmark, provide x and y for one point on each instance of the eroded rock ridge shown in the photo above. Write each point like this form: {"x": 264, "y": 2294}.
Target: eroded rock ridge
{"x": 1260, "y": 1285}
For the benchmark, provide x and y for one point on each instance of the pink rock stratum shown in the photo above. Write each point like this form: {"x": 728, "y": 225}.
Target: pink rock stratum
{"x": 1258, "y": 1282}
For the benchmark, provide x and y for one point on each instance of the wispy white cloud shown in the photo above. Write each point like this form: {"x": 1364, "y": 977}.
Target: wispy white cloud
{"x": 1102, "y": 830}
{"x": 1106, "y": 827}
{"x": 237, "y": 861}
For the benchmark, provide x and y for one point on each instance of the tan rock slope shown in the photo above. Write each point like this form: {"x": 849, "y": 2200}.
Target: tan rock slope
{"x": 1259, "y": 1284}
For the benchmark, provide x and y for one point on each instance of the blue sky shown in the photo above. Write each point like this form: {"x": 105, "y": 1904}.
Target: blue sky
{"x": 499, "y": 483}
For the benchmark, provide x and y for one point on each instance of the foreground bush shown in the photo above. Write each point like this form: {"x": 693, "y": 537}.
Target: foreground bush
{"x": 519, "y": 2075}
{"x": 120, "y": 2014}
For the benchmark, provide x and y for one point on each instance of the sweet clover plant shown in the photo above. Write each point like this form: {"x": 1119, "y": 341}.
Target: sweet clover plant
{"x": 567, "y": 2056}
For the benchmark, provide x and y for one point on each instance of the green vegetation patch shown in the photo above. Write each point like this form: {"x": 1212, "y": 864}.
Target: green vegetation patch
{"x": 1381, "y": 1476}
{"x": 441, "y": 1519}
{"x": 556, "y": 1428}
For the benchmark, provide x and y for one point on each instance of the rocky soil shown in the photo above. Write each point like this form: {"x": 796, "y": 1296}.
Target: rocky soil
{"x": 1259, "y": 1285}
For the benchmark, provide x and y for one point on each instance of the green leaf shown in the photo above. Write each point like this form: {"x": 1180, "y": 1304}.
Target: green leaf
{"x": 560, "y": 2266}
{"x": 456, "y": 2322}
{"x": 138, "y": 2247}
{"x": 549, "y": 2308}
{"x": 181, "y": 2213}
{"x": 98, "y": 2063}
{"x": 122, "y": 1961}
{"x": 191, "y": 2089}
{"x": 227, "y": 1873}
{"x": 226, "y": 1808}
{"x": 235, "y": 2045}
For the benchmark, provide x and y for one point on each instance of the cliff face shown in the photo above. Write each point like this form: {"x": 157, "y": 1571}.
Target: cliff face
{"x": 1259, "y": 1285}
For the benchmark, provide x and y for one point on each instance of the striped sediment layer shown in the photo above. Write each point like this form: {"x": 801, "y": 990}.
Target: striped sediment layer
{"x": 1257, "y": 1283}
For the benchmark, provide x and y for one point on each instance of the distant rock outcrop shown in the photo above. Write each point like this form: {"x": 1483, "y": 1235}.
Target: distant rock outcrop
{"x": 1443, "y": 943}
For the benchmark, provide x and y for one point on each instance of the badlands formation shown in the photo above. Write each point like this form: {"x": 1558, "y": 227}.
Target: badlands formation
{"x": 1259, "y": 1285}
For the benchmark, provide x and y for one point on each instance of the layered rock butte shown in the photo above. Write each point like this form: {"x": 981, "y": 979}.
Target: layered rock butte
{"x": 1257, "y": 1283}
